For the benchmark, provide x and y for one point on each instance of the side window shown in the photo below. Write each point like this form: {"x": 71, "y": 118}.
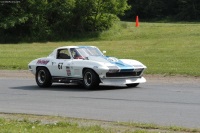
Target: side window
{"x": 63, "y": 54}
{"x": 75, "y": 54}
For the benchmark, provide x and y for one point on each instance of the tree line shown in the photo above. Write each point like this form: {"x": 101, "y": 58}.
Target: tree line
{"x": 172, "y": 10}
{"x": 38, "y": 20}
{"x": 50, "y": 20}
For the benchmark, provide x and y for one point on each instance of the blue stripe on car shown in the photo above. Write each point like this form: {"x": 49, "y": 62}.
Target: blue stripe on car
{"x": 122, "y": 66}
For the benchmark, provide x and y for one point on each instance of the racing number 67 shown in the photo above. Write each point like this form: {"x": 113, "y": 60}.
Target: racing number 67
{"x": 60, "y": 65}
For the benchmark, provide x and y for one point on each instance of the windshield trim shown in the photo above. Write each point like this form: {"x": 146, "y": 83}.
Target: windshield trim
{"x": 86, "y": 51}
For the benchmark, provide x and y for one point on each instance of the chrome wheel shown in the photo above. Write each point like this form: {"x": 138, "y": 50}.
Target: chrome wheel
{"x": 88, "y": 78}
{"x": 41, "y": 76}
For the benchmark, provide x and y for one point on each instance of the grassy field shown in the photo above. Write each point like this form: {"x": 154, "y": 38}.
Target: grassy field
{"x": 21, "y": 123}
{"x": 165, "y": 48}
{"x": 25, "y": 126}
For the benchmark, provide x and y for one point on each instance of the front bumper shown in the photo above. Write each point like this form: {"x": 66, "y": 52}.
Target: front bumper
{"x": 123, "y": 81}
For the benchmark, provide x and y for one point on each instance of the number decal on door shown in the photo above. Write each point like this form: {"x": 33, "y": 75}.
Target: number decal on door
{"x": 60, "y": 65}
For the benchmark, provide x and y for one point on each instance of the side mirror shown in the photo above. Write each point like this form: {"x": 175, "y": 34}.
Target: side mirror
{"x": 104, "y": 52}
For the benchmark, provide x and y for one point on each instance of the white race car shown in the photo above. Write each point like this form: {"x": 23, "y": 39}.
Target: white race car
{"x": 86, "y": 65}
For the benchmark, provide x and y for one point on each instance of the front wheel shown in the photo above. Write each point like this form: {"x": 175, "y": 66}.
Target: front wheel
{"x": 90, "y": 79}
{"x": 43, "y": 77}
{"x": 132, "y": 85}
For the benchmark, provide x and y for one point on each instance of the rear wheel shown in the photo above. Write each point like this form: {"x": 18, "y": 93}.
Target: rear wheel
{"x": 90, "y": 79}
{"x": 132, "y": 85}
{"x": 43, "y": 77}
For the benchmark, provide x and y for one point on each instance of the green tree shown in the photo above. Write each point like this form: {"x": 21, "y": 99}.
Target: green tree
{"x": 146, "y": 9}
{"x": 24, "y": 19}
{"x": 59, "y": 16}
{"x": 37, "y": 20}
{"x": 189, "y": 10}
{"x": 12, "y": 17}
{"x": 161, "y": 9}
{"x": 97, "y": 15}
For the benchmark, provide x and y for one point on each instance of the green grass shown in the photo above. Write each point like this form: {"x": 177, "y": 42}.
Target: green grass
{"x": 165, "y": 48}
{"x": 21, "y": 123}
{"x": 24, "y": 126}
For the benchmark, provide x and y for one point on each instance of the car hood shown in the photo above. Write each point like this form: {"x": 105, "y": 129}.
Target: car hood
{"x": 122, "y": 64}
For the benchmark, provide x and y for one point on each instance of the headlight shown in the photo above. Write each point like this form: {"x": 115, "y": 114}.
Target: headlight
{"x": 113, "y": 69}
{"x": 139, "y": 69}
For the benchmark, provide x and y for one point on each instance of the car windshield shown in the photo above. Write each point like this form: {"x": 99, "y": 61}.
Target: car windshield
{"x": 85, "y": 52}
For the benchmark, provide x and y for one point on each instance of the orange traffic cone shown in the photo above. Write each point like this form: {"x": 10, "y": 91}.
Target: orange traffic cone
{"x": 137, "y": 22}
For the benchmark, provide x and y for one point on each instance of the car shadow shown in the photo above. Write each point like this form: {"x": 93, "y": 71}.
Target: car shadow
{"x": 70, "y": 87}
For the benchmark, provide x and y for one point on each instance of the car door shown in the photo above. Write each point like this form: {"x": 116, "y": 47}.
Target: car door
{"x": 61, "y": 65}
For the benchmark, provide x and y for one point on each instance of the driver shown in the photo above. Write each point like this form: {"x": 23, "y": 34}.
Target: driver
{"x": 75, "y": 54}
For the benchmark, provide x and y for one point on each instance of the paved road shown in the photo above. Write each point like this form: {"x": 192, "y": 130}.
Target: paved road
{"x": 158, "y": 101}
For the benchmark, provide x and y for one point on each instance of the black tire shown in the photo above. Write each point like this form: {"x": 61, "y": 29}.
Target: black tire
{"x": 90, "y": 79}
{"x": 132, "y": 85}
{"x": 43, "y": 77}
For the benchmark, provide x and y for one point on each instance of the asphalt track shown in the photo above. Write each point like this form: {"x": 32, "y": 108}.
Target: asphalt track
{"x": 169, "y": 101}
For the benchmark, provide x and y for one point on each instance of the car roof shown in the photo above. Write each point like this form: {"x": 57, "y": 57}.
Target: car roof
{"x": 54, "y": 53}
{"x": 68, "y": 47}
